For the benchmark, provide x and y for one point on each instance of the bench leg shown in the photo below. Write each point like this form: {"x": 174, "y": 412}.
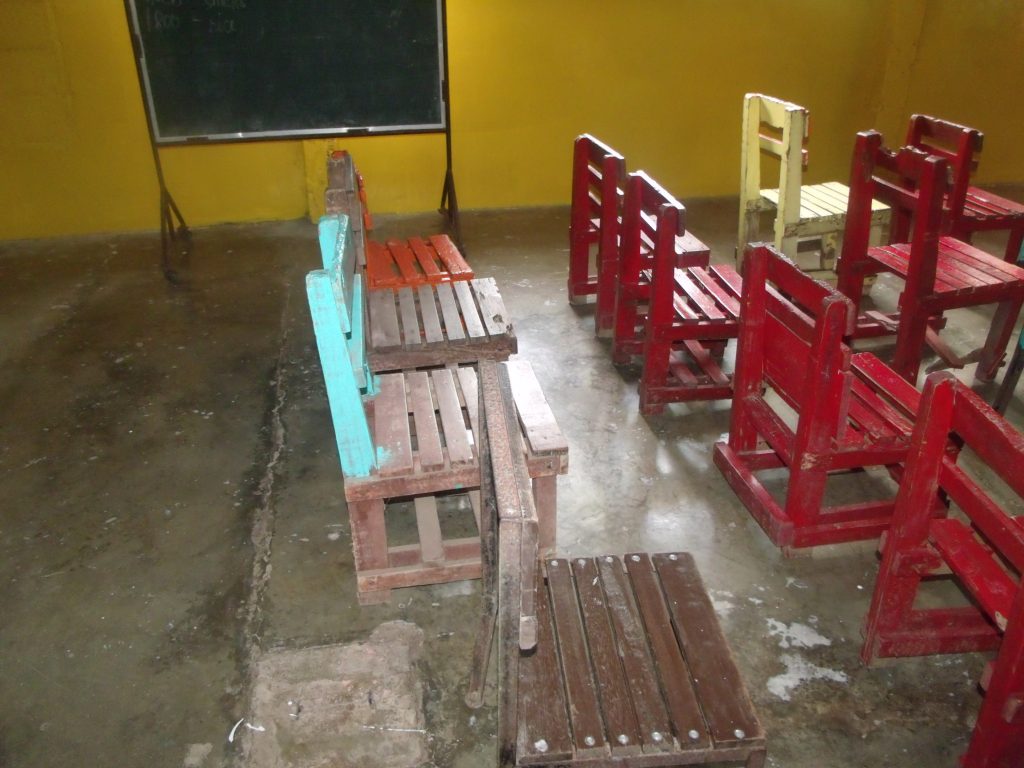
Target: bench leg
{"x": 545, "y": 491}
{"x": 756, "y": 759}
{"x": 369, "y": 545}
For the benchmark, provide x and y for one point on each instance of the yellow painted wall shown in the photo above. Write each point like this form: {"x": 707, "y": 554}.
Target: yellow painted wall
{"x": 662, "y": 80}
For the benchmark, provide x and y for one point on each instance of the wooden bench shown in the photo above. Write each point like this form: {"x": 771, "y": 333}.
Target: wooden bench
{"x": 602, "y": 661}
{"x": 425, "y": 326}
{"x": 598, "y": 172}
{"x": 346, "y": 193}
{"x": 640, "y": 240}
{"x": 851, "y": 410}
{"x": 412, "y": 437}
{"x": 951, "y": 519}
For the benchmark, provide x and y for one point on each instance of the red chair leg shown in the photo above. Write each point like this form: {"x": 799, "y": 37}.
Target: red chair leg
{"x": 998, "y": 337}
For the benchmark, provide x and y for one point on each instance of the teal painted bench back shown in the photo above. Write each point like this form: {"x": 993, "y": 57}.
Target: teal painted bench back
{"x": 337, "y": 304}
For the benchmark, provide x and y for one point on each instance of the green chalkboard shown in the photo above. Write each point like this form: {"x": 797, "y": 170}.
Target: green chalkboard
{"x": 226, "y": 70}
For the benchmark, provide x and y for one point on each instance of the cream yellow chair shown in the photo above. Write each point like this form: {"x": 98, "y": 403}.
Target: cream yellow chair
{"x": 817, "y": 211}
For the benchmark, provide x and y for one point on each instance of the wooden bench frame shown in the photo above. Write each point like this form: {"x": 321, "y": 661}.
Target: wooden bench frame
{"x": 598, "y": 172}
{"x": 852, "y": 411}
{"x": 346, "y": 193}
{"x": 412, "y": 437}
{"x": 639, "y": 629}
{"x": 982, "y": 546}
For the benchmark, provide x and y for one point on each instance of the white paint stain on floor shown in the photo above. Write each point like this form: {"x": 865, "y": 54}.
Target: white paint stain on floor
{"x": 796, "y": 635}
{"x": 799, "y": 671}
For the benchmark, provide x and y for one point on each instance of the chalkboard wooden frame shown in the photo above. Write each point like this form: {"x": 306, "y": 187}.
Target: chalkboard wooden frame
{"x": 429, "y": 115}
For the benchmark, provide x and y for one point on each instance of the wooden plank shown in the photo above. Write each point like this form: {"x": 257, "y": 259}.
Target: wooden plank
{"x": 453, "y": 424}
{"x": 421, "y": 403}
{"x": 492, "y": 308}
{"x": 727, "y": 708}
{"x": 391, "y": 426}
{"x": 542, "y": 432}
{"x": 974, "y": 564}
{"x": 429, "y": 527}
{"x": 451, "y": 258}
{"x": 428, "y": 311}
{"x": 470, "y": 315}
{"x": 406, "y": 262}
{"x": 709, "y": 311}
{"x": 450, "y": 312}
{"x": 677, "y": 687}
{"x": 411, "y": 333}
{"x": 470, "y": 394}
{"x": 584, "y": 707}
{"x": 645, "y": 691}
{"x": 426, "y": 259}
{"x": 380, "y": 272}
{"x": 384, "y": 333}
{"x": 616, "y": 707}
{"x": 543, "y": 733}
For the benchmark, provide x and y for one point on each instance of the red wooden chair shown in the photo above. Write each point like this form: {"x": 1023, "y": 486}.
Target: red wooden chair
{"x": 940, "y": 272}
{"x": 693, "y": 312}
{"x": 970, "y": 209}
{"x": 978, "y": 541}
{"x": 651, "y": 221}
{"x": 851, "y": 410}
{"x": 594, "y": 219}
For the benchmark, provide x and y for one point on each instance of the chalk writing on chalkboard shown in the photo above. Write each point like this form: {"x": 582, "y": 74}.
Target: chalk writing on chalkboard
{"x": 240, "y": 69}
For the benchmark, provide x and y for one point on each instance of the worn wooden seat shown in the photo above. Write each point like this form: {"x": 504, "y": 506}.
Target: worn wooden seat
{"x": 641, "y": 239}
{"x": 346, "y": 193}
{"x": 939, "y": 272}
{"x": 598, "y": 172}
{"x": 952, "y": 520}
{"x": 602, "y": 661}
{"x": 779, "y": 129}
{"x": 429, "y": 325}
{"x": 413, "y": 262}
{"x": 693, "y": 312}
{"x": 412, "y": 438}
{"x": 969, "y": 209}
{"x": 851, "y": 410}
{"x": 439, "y": 324}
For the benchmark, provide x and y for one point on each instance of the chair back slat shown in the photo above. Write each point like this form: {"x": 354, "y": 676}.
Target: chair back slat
{"x": 337, "y": 306}
{"x": 958, "y": 144}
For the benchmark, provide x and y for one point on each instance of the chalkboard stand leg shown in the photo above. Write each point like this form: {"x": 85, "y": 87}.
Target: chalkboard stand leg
{"x": 450, "y": 207}
{"x": 169, "y": 232}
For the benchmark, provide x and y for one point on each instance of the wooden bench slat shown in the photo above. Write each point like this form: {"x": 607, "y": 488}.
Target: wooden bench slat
{"x": 604, "y": 655}
{"x": 451, "y": 258}
{"x": 379, "y": 271}
{"x": 426, "y": 260}
{"x": 683, "y": 707}
{"x": 450, "y": 312}
{"x": 428, "y": 311}
{"x": 405, "y": 260}
{"x": 384, "y": 333}
{"x": 429, "y": 527}
{"x": 421, "y": 403}
{"x": 581, "y": 692}
{"x": 651, "y": 715}
{"x": 539, "y": 425}
{"x": 492, "y": 308}
{"x": 452, "y": 423}
{"x": 391, "y": 426}
{"x": 727, "y": 708}
{"x": 975, "y": 565}
{"x": 411, "y": 335}
{"x": 468, "y": 383}
{"x": 470, "y": 315}
{"x": 542, "y": 710}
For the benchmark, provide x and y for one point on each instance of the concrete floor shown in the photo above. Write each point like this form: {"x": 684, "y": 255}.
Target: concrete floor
{"x": 172, "y": 510}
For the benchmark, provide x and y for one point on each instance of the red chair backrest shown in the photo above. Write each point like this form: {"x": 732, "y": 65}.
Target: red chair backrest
{"x": 957, "y": 144}
{"x": 597, "y": 173}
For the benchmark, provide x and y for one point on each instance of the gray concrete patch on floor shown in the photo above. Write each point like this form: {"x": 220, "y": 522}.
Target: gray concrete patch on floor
{"x": 354, "y": 705}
